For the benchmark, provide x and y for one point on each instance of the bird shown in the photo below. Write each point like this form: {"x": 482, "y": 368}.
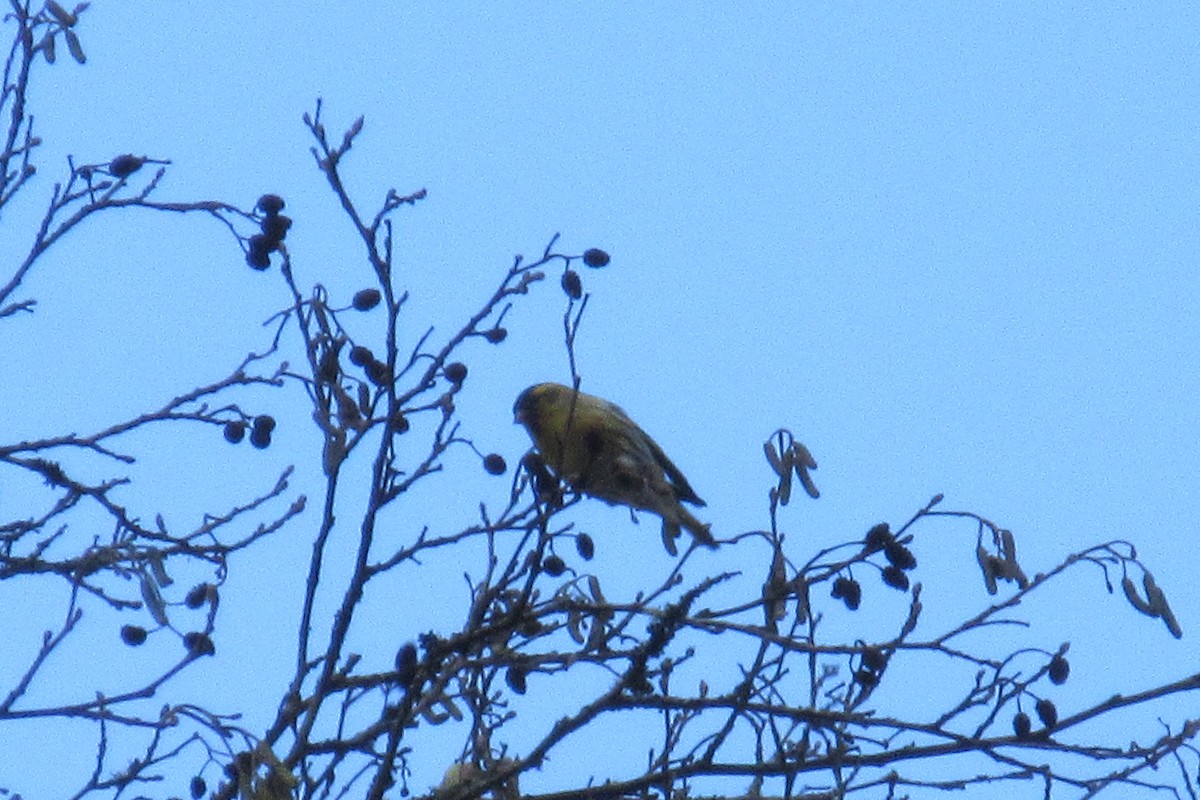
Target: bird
{"x": 598, "y": 450}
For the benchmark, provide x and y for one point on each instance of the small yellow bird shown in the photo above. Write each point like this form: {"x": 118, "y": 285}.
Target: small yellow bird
{"x": 594, "y": 445}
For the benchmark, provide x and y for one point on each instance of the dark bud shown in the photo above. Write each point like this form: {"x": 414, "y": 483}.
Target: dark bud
{"x": 874, "y": 659}
{"x": 275, "y": 228}
{"x": 258, "y": 252}
{"x": 585, "y": 546}
{"x": 361, "y": 356}
{"x": 848, "y": 591}
{"x": 494, "y": 464}
{"x": 1022, "y": 725}
{"x": 264, "y": 422}
{"x": 133, "y": 635}
{"x": 456, "y": 372}
{"x": 197, "y": 596}
{"x": 378, "y": 372}
{"x": 406, "y": 665}
{"x": 894, "y": 576}
{"x": 879, "y": 537}
{"x": 1047, "y": 713}
{"x": 197, "y": 788}
{"x": 366, "y": 299}
{"x": 270, "y": 204}
{"x": 399, "y": 423}
{"x": 595, "y": 257}
{"x": 327, "y": 367}
{"x": 572, "y": 285}
{"x": 198, "y": 644}
{"x": 515, "y": 678}
{"x": 496, "y": 335}
{"x": 899, "y": 556}
{"x": 235, "y": 431}
{"x": 1060, "y": 669}
{"x": 546, "y": 486}
{"x": 124, "y": 166}
{"x": 866, "y": 679}
{"x": 260, "y": 438}
{"x": 554, "y": 566}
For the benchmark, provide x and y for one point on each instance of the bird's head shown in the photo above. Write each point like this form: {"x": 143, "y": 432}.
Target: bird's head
{"x": 531, "y": 402}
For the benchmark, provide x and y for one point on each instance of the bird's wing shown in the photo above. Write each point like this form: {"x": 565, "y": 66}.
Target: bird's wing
{"x": 683, "y": 489}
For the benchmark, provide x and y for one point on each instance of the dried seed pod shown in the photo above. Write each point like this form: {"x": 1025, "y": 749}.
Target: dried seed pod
{"x": 378, "y": 373}
{"x": 1059, "y": 670}
{"x": 260, "y": 438}
{"x": 1022, "y": 725}
{"x": 595, "y": 257}
{"x": 235, "y": 431}
{"x": 199, "y": 644}
{"x": 125, "y": 165}
{"x": 197, "y": 596}
{"x": 270, "y": 204}
{"x": 878, "y": 537}
{"x": 494, "y": 464}
{"x": 406, "y": 665}
{"x": 1046, "y": 712}
{"x": 848, "y": 591}
{"x": 456, "y": 372}
{"x": 585, "y": 546}
{"x": 366, "y": 299}
{"x": 258, "y": 252}
{"x": 515, "y": 678}
{"x": 894, "y": 576}
{"x": 275, "y": 228}
{"x": 874, "y": 659}
{"x": 133, "y": 635}
{"x": 899, "y": 556}
{"x": 572, "y": 285}
{"x": 866, "y": 678}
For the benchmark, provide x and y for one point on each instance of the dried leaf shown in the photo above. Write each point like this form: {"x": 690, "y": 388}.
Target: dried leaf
{"x": 597, "y": 640}
{"x": 155, "y": 560}
{"x": 987, "y": 565}
{"x": 47, "y": 48}
{"x": 575, "y": 626}
{"x": 594, "y": 588}
{"x": 773, "y": 457}
{"x": 75, "y": 47}
{"x": 1135, "y": 600}
{"x": 803, "y": 461}
{"x": 1158, "y": 601}
{"x": 153, "y": 599}
{"x": 1008, "y": 545}
{"x": 64, "y": 17}
{"x": 785, "y": 488}
{"x": 774, "y": 590}
{"x": 803, "y": 458}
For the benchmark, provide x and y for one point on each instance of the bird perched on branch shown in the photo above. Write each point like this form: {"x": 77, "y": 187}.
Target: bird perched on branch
{"x": 597, "y": 449}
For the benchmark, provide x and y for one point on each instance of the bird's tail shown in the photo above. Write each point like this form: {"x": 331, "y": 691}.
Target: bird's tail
{"x": 697, "y": 528}
{"x": 678, "y": 519}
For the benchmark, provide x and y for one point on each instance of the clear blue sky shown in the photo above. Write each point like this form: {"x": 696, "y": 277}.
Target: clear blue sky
{"x": 952, "y": 247}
